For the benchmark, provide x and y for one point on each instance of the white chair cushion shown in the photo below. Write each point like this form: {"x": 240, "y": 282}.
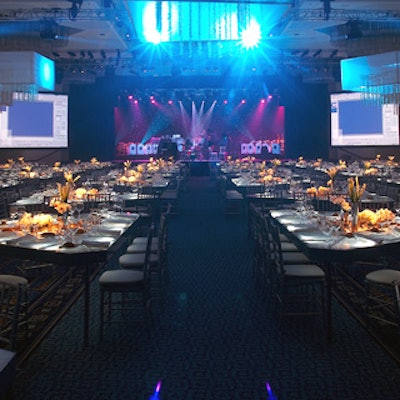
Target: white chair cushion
{"x": 141, "y": 248}
{"x": 13, "y": 280}
{"x": 120, "y": 278}
{"x": 384, "y": 276}
{"x": 304, "y": 271}
{"x": 135, "y": 260}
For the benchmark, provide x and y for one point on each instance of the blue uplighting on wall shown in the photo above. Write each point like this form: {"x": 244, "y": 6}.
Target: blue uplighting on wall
{"x": 45, "y": 72}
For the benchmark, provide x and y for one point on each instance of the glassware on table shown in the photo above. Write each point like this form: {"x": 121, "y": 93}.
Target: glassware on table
{"x": 80, "y": 206}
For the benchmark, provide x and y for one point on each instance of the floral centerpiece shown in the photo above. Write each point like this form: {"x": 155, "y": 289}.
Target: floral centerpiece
{"x": 275, "y": 163}
{"x": 60, "y": 203}
{"x": 355, "y": 191}
{"x": 332, "y": 172}
{"x": 318, "y": 163}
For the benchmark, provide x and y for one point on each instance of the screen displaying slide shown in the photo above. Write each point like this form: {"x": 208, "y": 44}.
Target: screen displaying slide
{"x": 42, "y": 123}
{"x": 356, "y": 122}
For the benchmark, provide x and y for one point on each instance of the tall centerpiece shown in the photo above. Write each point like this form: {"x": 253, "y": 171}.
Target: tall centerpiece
{"x": 60, "y": 203}
{"x": 332, "y": 172}
{"x": 355, "y": 192}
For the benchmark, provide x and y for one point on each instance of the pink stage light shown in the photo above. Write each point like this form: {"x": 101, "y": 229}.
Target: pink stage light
{"x": 225, "y": 101}
{"x": 243, "y": 101}
{"x": 130, "y": 97}
{"x": 153, "y": 101}
{"x": 135, "y": 102}
{"x": 170, "y": 101}
{"x": 262, "y": 101}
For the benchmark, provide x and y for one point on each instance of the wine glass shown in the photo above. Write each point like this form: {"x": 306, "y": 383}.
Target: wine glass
{"x": 79, "y": 208}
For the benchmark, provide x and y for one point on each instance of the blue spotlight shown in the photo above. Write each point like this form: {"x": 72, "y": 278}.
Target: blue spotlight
{"x": 251, "y": 36}
{"x": 153, "y": 37}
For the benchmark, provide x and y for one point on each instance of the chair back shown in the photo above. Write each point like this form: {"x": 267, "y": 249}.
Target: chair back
{"x": 11, "y": 296}
{"x": 275, "y": 247}
{"x": 146, "y": 265}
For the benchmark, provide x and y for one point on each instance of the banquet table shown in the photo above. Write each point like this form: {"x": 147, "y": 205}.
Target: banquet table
{"x": 95, "y": 245}
{"x": 326, "y": 248}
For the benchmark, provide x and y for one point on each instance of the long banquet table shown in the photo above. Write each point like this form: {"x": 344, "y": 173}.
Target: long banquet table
{"x": 94, "y": 246}
{"x": 327, "y": 248}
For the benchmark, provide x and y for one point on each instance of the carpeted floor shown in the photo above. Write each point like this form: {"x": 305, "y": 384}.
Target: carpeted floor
{"x": 214, "y": 339}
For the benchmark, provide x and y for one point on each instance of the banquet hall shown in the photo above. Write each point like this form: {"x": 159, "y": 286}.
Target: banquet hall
{"x": 200, "y": 199}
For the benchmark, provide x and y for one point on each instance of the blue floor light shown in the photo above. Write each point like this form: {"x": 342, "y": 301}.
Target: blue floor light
{"x": 156, "y": 394}
{"x": 271, "y": 396}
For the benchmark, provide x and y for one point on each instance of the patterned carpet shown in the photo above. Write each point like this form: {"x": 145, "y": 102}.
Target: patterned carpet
{"x": 214, "y": 338}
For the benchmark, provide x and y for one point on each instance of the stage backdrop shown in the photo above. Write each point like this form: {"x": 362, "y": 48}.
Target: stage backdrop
{"x": 98, "y": 121}
{"x": 211, "y": 122}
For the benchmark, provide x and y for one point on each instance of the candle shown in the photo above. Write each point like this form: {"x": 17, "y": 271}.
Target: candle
{"x": 271, "y": 396}
{"x": 155, "y": 395}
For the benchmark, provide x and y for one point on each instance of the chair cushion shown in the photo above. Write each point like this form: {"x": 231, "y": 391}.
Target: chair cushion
{"x": 233, "y": 195}
{"x": 384, "y": 276}
{"x": 304, "y": 271}
{"x": 120, "y": 278}
{"x": 143, "y": 239}
{"x": 292, "y": 257}
{"x": 135, "y": 260}
{"x": 288, "y": 247}
{"x": 141, "y": 248}
{"x": 13, "y": 280}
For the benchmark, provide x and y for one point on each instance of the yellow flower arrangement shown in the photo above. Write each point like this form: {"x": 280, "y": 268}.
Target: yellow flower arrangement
{"x": 318, "y": 163}
{"x": 332, "y": 172}
{"x": 340, "y": 200}
{"x": 355, "y": 190}
{"x": 390, "y": 161}
{"x": 69, "y": 178}
{"x": 127, "y": 165}
{"x": 276, "y": 162}
{"x": 60, "y": 206}
{"x": 342, "y": 164}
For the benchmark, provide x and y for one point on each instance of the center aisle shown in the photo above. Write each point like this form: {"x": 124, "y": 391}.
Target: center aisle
{"x": 214, "y": 340}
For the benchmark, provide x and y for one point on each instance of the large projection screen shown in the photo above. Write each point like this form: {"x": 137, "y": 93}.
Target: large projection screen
{"x": 42, "y": 123}
{"x": 358, "y": 122}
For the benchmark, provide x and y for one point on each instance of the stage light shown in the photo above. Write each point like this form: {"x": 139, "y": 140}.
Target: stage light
{"x": 262, "y": 101}
{"x": 135, "y": 102}
{"x": 170, "y": 102}
{"x": 153, "y": 101}
{"x": 251, "y": 36}
{"x": 153, "y": 37}
{"x": 225, "y": 101}
{"x": 243, "y": 101}
{"x": 130, "y": 97}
